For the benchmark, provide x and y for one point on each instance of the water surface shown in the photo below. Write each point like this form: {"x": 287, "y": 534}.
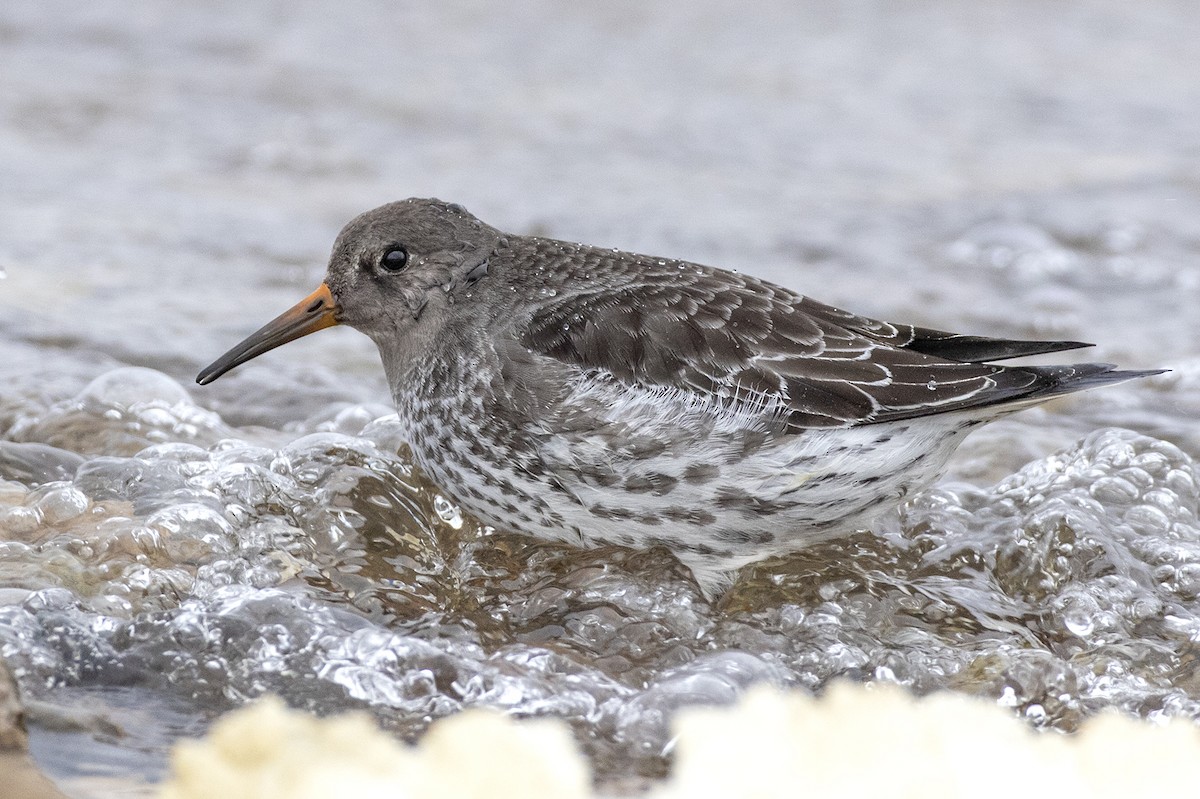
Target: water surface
{"x": 175, "y": 175}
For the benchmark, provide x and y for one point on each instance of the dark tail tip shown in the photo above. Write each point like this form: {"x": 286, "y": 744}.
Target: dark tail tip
{"x": 1082, "y": 376}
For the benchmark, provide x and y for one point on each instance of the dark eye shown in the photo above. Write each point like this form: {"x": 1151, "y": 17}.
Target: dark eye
{"x": 394, "y": 259}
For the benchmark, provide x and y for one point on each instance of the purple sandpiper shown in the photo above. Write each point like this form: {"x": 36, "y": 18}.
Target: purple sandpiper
{"x": 592, "y": 396}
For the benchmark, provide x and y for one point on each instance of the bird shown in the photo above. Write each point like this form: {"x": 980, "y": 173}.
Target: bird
{"x": 590, "y": 396}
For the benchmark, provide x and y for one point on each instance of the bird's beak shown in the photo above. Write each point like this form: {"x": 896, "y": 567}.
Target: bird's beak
{"x": 315, "y": 312}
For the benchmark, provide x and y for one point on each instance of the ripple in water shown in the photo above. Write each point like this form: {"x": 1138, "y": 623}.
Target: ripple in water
{"x": 212, "y": 565}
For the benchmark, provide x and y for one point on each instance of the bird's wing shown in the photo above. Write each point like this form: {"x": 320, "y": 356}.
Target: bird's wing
{"x": 735, "y": 339}
{"x": 939, "y": 343}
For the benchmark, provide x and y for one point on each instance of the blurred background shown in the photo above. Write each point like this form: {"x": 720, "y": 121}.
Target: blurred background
{"x": 172, "y": 175}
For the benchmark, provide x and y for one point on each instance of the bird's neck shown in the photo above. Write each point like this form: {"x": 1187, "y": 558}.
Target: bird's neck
{"x": 456, "y": 363}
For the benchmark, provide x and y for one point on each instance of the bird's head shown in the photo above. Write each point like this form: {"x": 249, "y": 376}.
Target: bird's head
{"x": 395, "y": 273}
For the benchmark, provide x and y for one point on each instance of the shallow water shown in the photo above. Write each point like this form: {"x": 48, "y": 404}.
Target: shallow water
{"x": 173, "y": 178}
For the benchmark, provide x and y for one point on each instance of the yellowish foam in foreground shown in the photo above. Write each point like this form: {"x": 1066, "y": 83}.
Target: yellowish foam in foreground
{"x": 853, "y": 741}
{"x": 267, "y": 751}
{"x": 880, "y": 741}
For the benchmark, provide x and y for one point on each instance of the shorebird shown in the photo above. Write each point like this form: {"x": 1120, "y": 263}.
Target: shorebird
{"x": 593, "y": 396}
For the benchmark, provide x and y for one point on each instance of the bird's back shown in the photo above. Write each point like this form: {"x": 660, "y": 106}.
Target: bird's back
{"x": 730, "y": 339}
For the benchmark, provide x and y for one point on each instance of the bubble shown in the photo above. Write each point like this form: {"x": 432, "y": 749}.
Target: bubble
{"x": 62, "y": 504}
{"x": 448, "y": 512}
{"x": 1079, "y": 622}
{"x": 19, "y": 521}
{"x": 131, "y": 386}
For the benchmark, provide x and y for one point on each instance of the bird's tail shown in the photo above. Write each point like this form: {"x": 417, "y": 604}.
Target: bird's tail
{"x": 1069, "y": 378}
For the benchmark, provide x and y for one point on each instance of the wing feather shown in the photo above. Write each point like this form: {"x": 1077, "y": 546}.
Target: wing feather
{"x": 732, "y": 338}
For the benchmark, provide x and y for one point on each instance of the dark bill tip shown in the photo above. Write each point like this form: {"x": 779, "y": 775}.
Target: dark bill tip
{"x": 315, "y": 312}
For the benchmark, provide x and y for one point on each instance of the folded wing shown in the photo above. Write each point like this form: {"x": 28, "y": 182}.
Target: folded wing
{"x": 735, "y": 339}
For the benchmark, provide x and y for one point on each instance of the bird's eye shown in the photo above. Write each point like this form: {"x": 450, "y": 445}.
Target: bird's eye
{"x": 394, "y": 259}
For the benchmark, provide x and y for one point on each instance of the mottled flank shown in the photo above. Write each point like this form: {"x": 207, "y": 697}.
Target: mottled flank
{"x": 700, "y": 472}
{"x": 594, "y": 396}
